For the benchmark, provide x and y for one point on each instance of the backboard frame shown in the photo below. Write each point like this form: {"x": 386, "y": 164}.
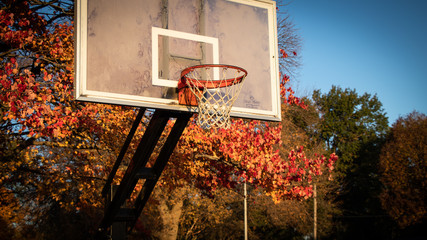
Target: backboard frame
{"x": 82, "y": 93}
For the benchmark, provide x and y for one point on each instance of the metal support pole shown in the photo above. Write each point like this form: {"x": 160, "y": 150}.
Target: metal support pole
{"x": 245, "y": 204}
{"x": 315, "y": 212}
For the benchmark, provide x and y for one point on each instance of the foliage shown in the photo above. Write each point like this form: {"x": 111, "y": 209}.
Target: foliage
{"x": 211, "y": 218}
{"x": 247, "y": 152}
{"x": 299, "y": 128}
{"x": 349, "y": 121}
{"x": 404, "y": 170}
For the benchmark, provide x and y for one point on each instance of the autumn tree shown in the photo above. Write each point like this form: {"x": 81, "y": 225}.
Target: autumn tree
{"x": 404, "y": 169}
{"x": 300, "y": 128}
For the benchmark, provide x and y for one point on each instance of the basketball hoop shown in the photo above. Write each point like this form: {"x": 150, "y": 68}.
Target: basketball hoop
{"x": 213, "y": 88}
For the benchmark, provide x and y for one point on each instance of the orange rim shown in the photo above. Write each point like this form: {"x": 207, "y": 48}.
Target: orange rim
{"x": 209, "y": 84}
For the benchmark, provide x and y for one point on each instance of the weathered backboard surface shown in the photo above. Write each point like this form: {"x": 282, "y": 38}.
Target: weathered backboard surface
{"x": 131, "y": 52}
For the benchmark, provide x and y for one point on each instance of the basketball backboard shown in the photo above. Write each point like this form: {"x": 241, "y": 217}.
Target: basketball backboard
{"x": 132, "y": 52}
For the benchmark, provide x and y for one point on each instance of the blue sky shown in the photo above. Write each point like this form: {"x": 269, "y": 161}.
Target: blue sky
{"x": 373, "y": 46}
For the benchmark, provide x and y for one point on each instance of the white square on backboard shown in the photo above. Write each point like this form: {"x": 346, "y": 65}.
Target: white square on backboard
{"x": 156, "y": 32}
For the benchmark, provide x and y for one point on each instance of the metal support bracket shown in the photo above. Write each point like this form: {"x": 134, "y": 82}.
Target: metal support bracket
{"x": 114, "y": 212}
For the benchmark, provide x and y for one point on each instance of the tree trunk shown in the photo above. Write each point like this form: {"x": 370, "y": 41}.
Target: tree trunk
{"x": 170, "y": 218}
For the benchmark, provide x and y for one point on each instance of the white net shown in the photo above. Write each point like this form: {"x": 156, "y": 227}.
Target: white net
{"x": 216, "y": 88}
